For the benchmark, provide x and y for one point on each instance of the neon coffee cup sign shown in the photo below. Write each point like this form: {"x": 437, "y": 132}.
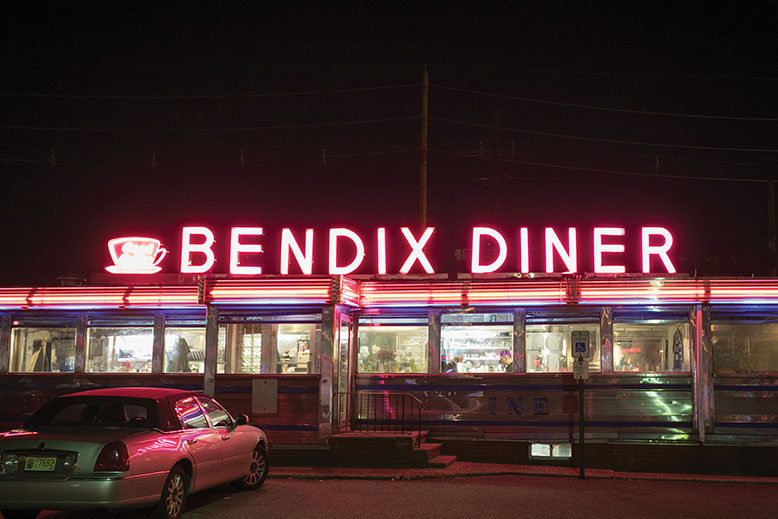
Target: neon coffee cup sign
{"x": 143, "y": 255}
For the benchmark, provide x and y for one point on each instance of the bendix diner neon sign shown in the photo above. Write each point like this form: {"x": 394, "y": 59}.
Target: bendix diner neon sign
{"x": 142, "y": 255}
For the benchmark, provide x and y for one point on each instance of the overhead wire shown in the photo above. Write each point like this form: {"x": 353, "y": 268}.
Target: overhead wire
{"x": 211, "y": 129}
{"x": 608, "y": 171}
{"x": 605, "y": 108}
{"x": 612, "y": 141}
{"x": 212, "y": 96}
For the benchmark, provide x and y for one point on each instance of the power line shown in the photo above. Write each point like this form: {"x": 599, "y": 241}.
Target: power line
{"x": 608, "y": 171}
{"x": 612, "y": 141}
{"x": 606, "y": 108}
{"x": 214, "y": 96}
{"x": 212, "y": 129}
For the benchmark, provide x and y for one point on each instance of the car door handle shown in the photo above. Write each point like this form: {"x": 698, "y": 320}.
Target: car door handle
{"x": 191, "y": 441}
{"x": 226, "y": 437}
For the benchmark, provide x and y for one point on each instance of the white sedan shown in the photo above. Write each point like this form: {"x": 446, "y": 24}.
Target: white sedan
{"x": 127, "y": 447}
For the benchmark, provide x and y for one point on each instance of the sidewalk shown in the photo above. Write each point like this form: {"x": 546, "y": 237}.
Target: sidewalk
{"x": 468, "y": 469}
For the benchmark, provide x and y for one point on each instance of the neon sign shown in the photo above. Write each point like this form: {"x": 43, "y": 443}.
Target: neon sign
{"x": 347, "y": 251}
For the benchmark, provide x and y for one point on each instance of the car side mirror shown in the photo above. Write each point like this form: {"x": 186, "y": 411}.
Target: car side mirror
{"x": 241, "y": 419}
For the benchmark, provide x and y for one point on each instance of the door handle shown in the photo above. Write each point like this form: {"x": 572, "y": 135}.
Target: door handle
{"x": 191, "y": 441}
{"x": 226, "y": 437}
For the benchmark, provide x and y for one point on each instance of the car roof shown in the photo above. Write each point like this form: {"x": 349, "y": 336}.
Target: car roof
{"x": 154, "y": 393}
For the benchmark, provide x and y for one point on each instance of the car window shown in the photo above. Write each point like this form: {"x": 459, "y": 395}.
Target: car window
{"x": 216, "y": 413}
{"x": 95, "y": 412}
{"x": 190, "y": 413}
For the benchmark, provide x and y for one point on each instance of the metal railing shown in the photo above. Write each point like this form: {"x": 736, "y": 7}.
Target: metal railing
{"x": 379, "y": 412}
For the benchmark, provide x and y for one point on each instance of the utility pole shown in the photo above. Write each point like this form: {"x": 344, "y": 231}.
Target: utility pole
{"x": 424, "y": 147}
{"x": 495, "y": 149}
{"x": 771, "y": 224}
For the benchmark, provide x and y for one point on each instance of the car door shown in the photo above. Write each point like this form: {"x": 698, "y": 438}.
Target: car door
{"x": 202, "y": 441}
{"x": 236, "y": 455}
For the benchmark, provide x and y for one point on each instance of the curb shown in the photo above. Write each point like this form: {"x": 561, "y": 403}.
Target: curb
{"x": 612, "y": 475}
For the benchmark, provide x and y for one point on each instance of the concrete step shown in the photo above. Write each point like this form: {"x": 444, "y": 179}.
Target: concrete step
{"x": 421, "y": 456}
{"x": 441, "y": 462}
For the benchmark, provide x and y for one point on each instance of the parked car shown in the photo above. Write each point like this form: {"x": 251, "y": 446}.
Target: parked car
{"x": 127, "y": 447}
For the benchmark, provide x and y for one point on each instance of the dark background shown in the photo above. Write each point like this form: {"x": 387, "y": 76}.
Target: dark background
{"x": 143, "y": 116}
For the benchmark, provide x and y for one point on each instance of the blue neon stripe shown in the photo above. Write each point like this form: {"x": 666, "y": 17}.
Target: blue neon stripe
{"x": 748, "y": 425}
{"x": 288, "y": 427}
{"x": 517, "y": 387}
{"x": 536, "y": 423}
{"x": 724, "y": 387}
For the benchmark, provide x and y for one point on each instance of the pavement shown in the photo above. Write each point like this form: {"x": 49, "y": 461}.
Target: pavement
{"x": 461, "y": 469}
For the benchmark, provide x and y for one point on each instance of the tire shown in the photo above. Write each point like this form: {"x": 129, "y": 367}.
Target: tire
{"x": 173, "y": 498}
{"x": 20, "y": 514}
{"x": 260, "y": 464}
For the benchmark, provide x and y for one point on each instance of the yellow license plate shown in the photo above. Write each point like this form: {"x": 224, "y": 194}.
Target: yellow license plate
{"x": 40, "y": 463}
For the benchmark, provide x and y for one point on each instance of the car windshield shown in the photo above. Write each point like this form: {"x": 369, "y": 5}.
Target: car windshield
{"x": 136, "y": 413}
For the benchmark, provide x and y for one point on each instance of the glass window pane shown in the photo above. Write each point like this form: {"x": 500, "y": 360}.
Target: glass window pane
{"x": 472, "y": 318}
{"x": 190, "y": 413}
{"x": 549, "y": 347}
{"x": 651, "y": 348}
{"x": 119, "y": 350}
{"x": 294, "y": 348}
{"x": 267, "y": 348}
{"x": 393, "y": 349}
{"x": 184, "y": 350}
{"x": 216, "y": 413}
{"x": 43, "y": 350}
{"x": 476, "y": 349}
{"x": 745, "y": 348}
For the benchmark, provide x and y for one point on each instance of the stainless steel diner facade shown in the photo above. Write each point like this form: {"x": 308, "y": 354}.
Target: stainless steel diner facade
{"x": 676, "y": 360}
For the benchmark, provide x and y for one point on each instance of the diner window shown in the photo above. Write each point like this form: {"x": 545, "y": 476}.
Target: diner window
{"x": 268, "y": 348}
{"x": 548, "y": 347}
{"x": 119, "y": 350}
{"x": 184, "y": 350}
{"x": 392, "y": 348}
{"x": 476, "y": 343}
{"x": 744, "y": 348}
{"x": 43, "y": 350}
{"x": 651, "y": 347}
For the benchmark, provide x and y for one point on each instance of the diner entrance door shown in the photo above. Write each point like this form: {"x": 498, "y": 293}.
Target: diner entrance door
{"x": 344, "y": 371}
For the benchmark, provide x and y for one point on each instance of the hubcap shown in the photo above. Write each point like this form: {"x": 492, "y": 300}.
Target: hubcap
{"x": 257, "y": 468}
{"x": 175, "y": 496}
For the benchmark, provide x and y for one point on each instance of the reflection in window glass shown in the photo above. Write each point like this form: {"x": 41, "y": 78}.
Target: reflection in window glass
{"x": 216, "y": 413}
{"x": 184, "y": 350}
{"x": 190, "y": 413}
{"x": 119, "y": 350}
{"x": 267, "y": 348}
{"x": 393, "y": 349}
{"x": 43, "y": 350}
{"x": 549, "y": 347}
{"x": 476, "y": 349}
{"x": 651, "y": 348}
{"x": 745, "y": 348}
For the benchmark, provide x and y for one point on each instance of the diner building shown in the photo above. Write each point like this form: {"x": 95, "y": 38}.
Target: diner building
{"x": 481, "y": 363}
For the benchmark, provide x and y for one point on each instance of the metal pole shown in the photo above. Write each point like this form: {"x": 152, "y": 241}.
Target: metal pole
{"x": 771, "y": 224}
{"x": 581, "y": 442}
{"x": 495, "y": 148}
{"x": 425, "y": 100}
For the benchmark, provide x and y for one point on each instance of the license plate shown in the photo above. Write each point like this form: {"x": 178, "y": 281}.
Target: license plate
{"x": 40, "y": 463}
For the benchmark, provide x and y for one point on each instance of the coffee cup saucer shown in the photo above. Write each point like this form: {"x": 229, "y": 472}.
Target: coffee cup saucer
{"x": 116, "y": 269}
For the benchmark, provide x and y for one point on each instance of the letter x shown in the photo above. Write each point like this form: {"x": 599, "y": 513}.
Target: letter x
{"x": 417, "y": 250}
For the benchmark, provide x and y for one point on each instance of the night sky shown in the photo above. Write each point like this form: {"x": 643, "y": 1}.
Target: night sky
{"x": 120, "y": 122}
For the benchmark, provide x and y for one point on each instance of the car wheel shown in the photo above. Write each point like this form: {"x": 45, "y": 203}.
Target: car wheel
{"x": 260, "y": 464}
{"x": 20, "y": 514}
{"x": 171, "y": 504}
